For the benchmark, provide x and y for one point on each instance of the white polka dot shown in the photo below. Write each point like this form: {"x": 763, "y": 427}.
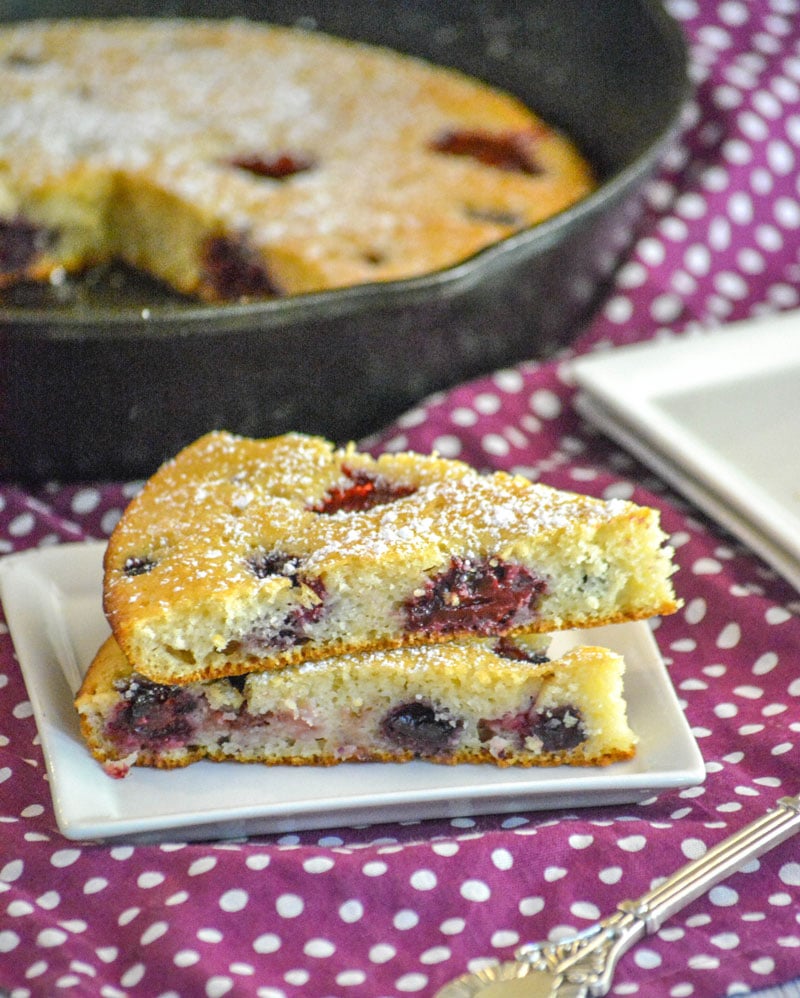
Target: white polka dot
{"x": 463, "y": 417}
{"x": 618, "y": 309}
{"x": 452, "y": 926}
{"x": 789, "y": 874}
{"x": 553, "y": 873}
{"x": 351, "y": 911}
{"x": 374, "y": 869}
{"x": 155, "y": 931}
{"x": 49, "y": 938}
{"x": 319, "y": 948}
{"x": 8, "y": 941}
{"x": 200, "y": 866}
{"x": 445, "y": 848}
{"x": 487, "y": 403}
{"x": 475, "y": 890}
{"x": 405, "y": 919}
{"x": 495, "y": 445}
{"x": 632, "y": 843}
{"x": 209, "y": 935}
{"x": 611, "y": 875}
{"x": 234, "y": 900}
{"x": 11, "y": 871}
{"x": 258, "y": 862}
{"x": 531, "y": 906}
{"x": 502, "y": 859}
{"x": 706, "y": 566}
{"x": 94, "y": 885}
{"x": 546, "y": 404}
{"x": 186, "y": 958}
{"x": 218, "y": 986}
{"x": 447, "y": 445}
{"x": 723, "y": 896}
{"x": 411, "y": 982}
{"x": 509, "y": 380}
{"x": 65, "y": 857}
{"x": 152, "y": 878}
{"x": 787, "y": 213}
{"x": 382, "y": 953}
{"x": 423, "y": 880}
{"x": 289, "y": 905}
{"x": 693, "y": 848}
{"x": 436, "y": 954}
{"x": 580, "y": 841}
{"x": 350, "y": 978}
{"x": 128, "y": 915}
{"x": 318, "y": 864}
{"x": 646, "y": 958}
{"x": 85, "y": 501}
{"x": 585, "y": 910}
{"x": 21, "y": 525}
{"x": 267, "y": 943}
{"x": 666, "y": 308}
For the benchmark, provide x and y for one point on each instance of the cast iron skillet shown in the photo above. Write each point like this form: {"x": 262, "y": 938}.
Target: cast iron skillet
{"x": 111, "y": 375}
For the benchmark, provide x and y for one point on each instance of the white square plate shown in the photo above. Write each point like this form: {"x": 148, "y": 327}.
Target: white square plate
{"x": 51, "y": 598}
{"x": 718, "y": 416}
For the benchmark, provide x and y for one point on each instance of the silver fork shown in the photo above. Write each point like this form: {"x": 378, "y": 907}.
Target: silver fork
{"x": 582, "y": 966}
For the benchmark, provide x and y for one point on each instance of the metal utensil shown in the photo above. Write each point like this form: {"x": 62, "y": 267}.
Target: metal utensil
{"x": 581, "y": 966}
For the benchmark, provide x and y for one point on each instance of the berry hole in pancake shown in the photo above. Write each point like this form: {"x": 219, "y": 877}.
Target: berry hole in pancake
{"x": 483, "y": 597}
{"x": 275, "y": 166}
{"x": 511, "y": 151}
{"x": 420, "y": 727}
{"x": 138, "y": 565}
{"x": 361, "y": 493}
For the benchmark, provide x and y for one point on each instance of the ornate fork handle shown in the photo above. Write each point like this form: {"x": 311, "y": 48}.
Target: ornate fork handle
{"x": 583, "y": 965}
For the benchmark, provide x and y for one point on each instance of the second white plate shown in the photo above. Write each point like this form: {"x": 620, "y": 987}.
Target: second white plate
{"x": 718, "y": 416}
{"x": 51, "y": 598}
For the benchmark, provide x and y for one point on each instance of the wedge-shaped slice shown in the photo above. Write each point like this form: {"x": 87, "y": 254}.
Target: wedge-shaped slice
{"x": 476, "y": 701}
{"x": 241, "y": 555}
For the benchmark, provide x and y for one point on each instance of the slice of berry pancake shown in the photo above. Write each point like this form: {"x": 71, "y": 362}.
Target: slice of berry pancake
{"x": 243, "y": 555}
{"x": 480, "y": 701}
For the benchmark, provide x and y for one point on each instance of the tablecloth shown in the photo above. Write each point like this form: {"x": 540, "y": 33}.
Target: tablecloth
{"x": 399, "y": 909}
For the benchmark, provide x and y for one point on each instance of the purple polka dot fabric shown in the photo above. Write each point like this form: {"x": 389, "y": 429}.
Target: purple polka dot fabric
{"x": 392, "y": 910}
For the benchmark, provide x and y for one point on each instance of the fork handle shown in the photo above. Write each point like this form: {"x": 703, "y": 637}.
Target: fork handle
{"x": 696, "y": 878}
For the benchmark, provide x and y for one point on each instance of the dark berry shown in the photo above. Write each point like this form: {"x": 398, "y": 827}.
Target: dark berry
{"x": 277, "y": 167}
{"x": 508, "y": 648}
{"x": 234, "y": 271}
{"x": 153, "y": 714}
{"x": 364, "y": 493}
{"x": 238, "y": 682}
{"x": 478, "y": 598}
{"x": 494, "y": 216}
{"x": 559, "y": 729}
{"x": 21, "y": 242}
{"x": 264, "y": 564}
{"x": 137, "y": 565}
{"x": 507, "y": 151}
{"x": 293, "y": 630}
{"x": 421, "y": 728}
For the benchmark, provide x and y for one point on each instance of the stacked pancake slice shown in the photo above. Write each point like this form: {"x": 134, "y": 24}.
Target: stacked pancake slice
{"x": 285, "y": 601}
